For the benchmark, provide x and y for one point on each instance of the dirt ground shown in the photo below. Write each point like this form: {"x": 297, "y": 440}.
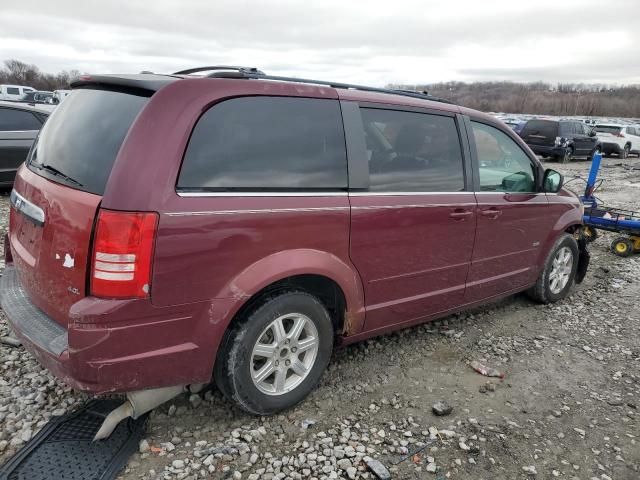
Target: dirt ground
{"x": 567, "y": 406}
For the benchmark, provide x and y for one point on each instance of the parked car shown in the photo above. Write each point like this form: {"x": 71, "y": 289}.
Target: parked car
{"x": 167, "y": 229}
{"x": 618, "y": 139}
{"x": 37, "y": 97}
{"x": 19, "y": 126}
{"x": 561, "y": 139}
{"x": 58, "y": 96}
{"x": 14, "y": 92}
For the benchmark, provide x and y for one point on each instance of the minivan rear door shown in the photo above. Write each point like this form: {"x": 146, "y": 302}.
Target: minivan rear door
{"x": 540, "y": 132}
{"x": 413, "y": 225}
{"x": 58, "y": 191}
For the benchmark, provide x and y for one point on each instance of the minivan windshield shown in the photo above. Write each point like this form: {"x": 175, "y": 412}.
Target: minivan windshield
{"x": 81, "y": 139}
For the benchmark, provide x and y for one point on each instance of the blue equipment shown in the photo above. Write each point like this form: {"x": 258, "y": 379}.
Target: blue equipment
{"x": 597, "y": 216}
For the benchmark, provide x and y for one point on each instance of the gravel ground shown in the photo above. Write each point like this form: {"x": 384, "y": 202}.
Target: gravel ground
{"x": 567, "y": 406}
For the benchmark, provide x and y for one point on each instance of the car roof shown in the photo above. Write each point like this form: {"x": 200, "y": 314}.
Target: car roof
{"x": 24, "y": 106}
{"x": 153, "y": 82}
{"x": 611, "y": 125}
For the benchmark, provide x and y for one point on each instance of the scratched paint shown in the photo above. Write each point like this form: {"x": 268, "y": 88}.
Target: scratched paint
{"x": 69, "y": 262}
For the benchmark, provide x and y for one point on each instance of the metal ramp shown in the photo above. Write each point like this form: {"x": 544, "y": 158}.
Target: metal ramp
{"x": 64, "y": 449}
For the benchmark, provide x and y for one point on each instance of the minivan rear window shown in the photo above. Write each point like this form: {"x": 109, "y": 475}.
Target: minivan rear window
{"x": 608, "y": 129}
{"x": 541, "y": 128}
{"x": 81, "y": 139}
{"x": 267, "y": 143}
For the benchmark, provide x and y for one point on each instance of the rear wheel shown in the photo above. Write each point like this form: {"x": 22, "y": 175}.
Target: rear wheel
{"x": 589, "y": 233}
{"x": 625, "y": 151}
{"x": 274, "y": 356}
{"x": 622, "y": 246}
{"x": 559, "y": 271}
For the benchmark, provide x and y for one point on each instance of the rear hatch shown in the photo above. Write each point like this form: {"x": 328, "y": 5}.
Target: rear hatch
{"x": 540, "y": 132}
{"x": 611, "y": 132}
{"x": 58, "y": 191}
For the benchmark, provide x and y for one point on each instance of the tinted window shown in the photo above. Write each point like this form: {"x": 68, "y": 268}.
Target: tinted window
{"x": 83, "y": 135}
{"x": 504, "y": 167}
{"x": 412, "y": 152}
{"x": 567, "y": 129}
{"x": 267, "y": 143}
{"x": 16, "y": 120}
{"x": 13, "y": 91}
{"x": 541, "y": 128}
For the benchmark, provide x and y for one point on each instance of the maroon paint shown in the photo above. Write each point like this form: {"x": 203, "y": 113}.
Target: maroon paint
{"x": 406, "y": 255}
{"x": 408, "y": 268}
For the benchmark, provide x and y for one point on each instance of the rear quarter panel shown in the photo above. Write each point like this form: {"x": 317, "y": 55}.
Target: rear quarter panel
{"x": 221, "y": 247}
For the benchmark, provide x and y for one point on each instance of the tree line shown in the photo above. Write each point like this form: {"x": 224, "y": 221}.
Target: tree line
{"x": 540, "y": 98}
{"x": 20, "y": 73}
{"x": 509, "y": 97}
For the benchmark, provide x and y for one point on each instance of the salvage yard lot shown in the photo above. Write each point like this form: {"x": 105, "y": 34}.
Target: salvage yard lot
{"x": 567, "y": 407}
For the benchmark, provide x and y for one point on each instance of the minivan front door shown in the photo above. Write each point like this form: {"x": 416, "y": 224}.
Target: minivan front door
{"x": 513, "y": 220}
{"x": 412, "y": 230}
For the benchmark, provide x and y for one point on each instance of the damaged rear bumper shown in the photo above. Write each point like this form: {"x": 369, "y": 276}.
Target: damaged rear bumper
{"x": 117, "y": 346}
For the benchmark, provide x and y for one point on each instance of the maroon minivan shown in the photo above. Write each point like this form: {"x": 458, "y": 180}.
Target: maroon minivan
{"x": 167, "y": 229}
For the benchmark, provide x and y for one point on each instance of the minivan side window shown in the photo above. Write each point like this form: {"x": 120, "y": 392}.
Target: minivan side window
{"x": 503, "y": 165}
{"x": 412, "y": 152}
{"x": 267, "y": 143}
{"x": 13, "y": 91}
{"x": 17, "y": 120}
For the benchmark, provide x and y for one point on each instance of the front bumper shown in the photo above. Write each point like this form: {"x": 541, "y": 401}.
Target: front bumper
{"x": 118, "y": 345}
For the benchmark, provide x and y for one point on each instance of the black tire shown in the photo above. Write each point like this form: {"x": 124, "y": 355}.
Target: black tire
{"x": 622, "y": 246}
{"x": 541, "y": 291}
{"x": 234, "y": 361}
{"x": 589, "y": 233}
{"x": 593, "y": 152}
{"x": 568, "y": 155}
{"x": 625, "y": 152}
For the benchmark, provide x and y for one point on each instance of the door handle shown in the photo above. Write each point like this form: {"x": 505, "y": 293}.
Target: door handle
{"x": 460, "y": 214}
{"x": 491, "y": 213}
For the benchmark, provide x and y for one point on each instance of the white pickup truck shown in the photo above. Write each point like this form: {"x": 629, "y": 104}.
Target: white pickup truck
{"x": 14, "y": 92}
{"x": 619, "y": 139}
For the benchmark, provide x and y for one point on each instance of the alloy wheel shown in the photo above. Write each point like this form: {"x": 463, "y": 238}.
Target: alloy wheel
{"x": 284, "y": 354}
{"x": 560, "y": 270}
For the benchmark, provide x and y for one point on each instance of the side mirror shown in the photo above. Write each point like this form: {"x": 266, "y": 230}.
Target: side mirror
{"x": 552, "y": 181}
{"x": 592, "y": 133}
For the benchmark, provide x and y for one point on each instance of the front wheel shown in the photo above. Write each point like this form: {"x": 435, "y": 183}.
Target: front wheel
{"x": 559, "y": 271}
{"x": 567, "y": 156}
{"x": 274, "y": 356}
{"x": 622, "y": 246}
{"x": 589, "y": 233}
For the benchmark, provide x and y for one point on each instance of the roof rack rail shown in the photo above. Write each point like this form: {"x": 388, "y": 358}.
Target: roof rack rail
{"x": 348, "y": 86}
{"x": 189, "y": 71}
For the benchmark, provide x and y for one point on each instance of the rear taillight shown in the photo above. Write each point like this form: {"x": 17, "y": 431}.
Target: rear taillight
{"x": 122, "y": 254}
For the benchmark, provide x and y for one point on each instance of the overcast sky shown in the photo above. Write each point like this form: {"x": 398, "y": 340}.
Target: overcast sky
{"x": 372, "y": 42}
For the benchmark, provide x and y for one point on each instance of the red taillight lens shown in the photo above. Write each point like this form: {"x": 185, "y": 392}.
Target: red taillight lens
{"x": 122, "y": 254}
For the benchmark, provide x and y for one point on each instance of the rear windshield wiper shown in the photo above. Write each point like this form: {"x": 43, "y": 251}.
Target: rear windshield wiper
{"x": 57, "y": 173}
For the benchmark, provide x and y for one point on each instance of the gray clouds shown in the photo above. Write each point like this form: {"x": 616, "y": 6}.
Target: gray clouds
{"x": 370, "y": 42}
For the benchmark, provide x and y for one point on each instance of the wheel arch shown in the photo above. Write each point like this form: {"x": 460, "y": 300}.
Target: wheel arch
{"x": 335, "y": 282}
